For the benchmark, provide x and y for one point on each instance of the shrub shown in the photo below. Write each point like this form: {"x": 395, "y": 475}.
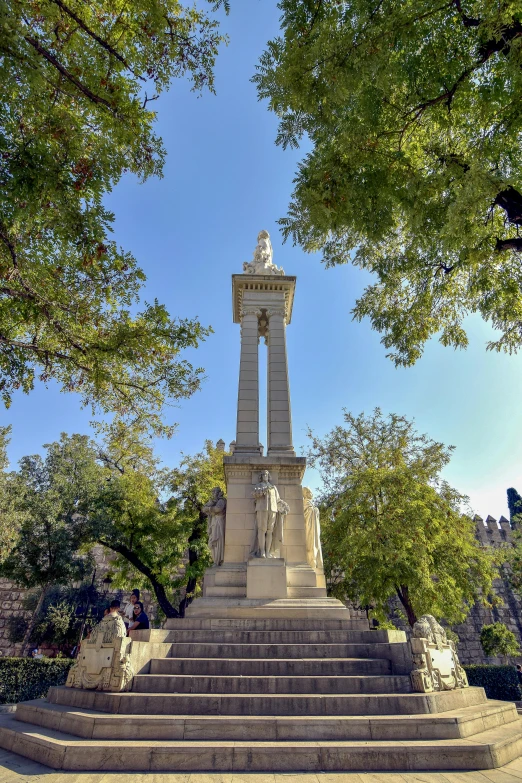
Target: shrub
{"x": 29, "y": 678}
{"x": 499, "y": 682}
{"x": 497, "y": 639}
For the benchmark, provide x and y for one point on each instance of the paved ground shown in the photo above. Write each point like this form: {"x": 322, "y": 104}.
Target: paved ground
{"x": 16, "y": 769}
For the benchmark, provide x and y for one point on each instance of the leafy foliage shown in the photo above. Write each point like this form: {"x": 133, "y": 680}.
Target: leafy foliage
{"x": 22, "y": 679}
{"x": 76, "y": 82}
{"x": 413, "y": 110}
{"x": 392, "y": 526}
{"x": 497, "y": 639}
{"x": 10, "y": 515}
{"x": 60, "y": 616}
{"x": 499, "y": 682}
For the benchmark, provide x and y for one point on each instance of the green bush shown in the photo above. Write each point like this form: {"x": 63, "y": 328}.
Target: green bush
{"x": 29, "y": 678}
{"x": 499, "y": 682}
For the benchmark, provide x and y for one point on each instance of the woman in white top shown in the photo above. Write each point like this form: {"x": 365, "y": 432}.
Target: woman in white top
{"x": 128, "y": 612}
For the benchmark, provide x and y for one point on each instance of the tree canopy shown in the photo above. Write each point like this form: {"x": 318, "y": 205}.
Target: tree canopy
{"x": 49, "y": 493}
{"x": 391, "y": 526}
{"x": 10, "y": 515}
{"x": 114, "y": 492}
{"x": 413, "y": 110}
{"x": 514, "y": 501}
{"x": 76, "y": 84}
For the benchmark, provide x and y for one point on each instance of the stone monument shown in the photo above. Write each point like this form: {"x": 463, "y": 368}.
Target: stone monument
{"x": 271, "y": 564}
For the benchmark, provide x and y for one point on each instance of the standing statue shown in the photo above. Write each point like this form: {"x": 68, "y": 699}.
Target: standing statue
{"x": 279, "y": 528}
{"x": 261, "y": 263}
{"x": 266, "y": 498}
{"x": 215, "y": 509}
{"x": 313, "y": 530}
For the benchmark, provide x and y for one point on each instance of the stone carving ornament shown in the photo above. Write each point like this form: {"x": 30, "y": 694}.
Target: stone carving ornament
{"x": 270, "y": 513}
{"x": 261, "y": 263}
{"x": 103, "y": 662}
{"x": 314, "y": 553}
{"x": 437, "y": 667}
{"x": 215, "y": 511}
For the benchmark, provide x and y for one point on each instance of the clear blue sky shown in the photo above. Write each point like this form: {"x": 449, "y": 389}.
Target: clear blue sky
{"x": 224, "y": 181}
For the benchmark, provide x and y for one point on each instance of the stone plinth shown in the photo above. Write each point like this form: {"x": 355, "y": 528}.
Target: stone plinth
{"x": 266, "y": 578}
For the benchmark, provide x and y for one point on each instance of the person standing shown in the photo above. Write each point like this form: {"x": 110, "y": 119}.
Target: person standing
{"x": 128, "y": 612}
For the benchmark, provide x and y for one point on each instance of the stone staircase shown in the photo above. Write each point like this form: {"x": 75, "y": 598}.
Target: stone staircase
{"x": 266, "y": 695}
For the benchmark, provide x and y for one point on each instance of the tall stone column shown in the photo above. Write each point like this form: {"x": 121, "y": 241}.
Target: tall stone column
{"x": 279, "y": 413}
{"x": 247, "y": 432}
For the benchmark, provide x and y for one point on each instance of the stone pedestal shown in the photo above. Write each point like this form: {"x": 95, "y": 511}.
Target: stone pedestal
{"x": 266, "y": 578}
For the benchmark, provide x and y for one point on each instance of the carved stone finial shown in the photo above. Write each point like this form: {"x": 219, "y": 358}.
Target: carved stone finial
{"x": 103, "y": 662}
{"x": 220, "y": 445}
{"x": 437, "y": 666}
{"x": 261, "y": 263}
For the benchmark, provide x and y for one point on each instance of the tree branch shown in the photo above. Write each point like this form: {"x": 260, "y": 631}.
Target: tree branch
{"x": 107, "y": 46}
{"x": 59, "y": 67}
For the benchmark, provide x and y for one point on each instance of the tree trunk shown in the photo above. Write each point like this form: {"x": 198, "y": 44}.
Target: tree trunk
{"x": 197, "y": 534}
{"x": 404, "y": 598}
{"x": 32, "y": 621}
{"x": 159, "y": 589}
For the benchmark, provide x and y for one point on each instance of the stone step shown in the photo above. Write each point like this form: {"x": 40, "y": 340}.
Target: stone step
{"x": 226, "y": 591}
{"x": 215, "y": 650}
{"x": 239, "y": 636}
{"x": 266, "y": 624}
{"x": 267, "y": 704}
{"x": 195, "y": 684}
{"x": 487, "y": 750}
{"x": 306, "y": 667}
{"x": 305, "y": 591}
{"x": 98, "y": 725}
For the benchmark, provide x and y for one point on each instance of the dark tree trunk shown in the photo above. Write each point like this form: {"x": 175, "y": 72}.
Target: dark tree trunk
{"x": 159, "y": 589}
{"x": 198, "y": 532}
{"x": 404, "y": 598}
{"x": 32, "y": 621}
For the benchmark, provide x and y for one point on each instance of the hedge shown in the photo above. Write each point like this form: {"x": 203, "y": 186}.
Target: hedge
{"x": 499, "y": 682}
{"x": 30, "y": 678}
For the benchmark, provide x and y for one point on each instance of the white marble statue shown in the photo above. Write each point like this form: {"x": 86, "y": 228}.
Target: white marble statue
{"x": 261, "y": 263}
{"x": 313, "y": 530}
{"x": 277, "y": 538}
{"x": 266, "y": 498}
{"x": 215, "y": 510}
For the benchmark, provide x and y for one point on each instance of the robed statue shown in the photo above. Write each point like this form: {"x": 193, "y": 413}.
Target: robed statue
{"x": 314, "y": 554}
{"x": 215, "y": 511}
{"x": 271, "y": 510}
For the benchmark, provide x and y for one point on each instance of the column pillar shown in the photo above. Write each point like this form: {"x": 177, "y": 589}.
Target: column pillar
{"x": 279, "y": 414}
{"x": 247, "y": 432}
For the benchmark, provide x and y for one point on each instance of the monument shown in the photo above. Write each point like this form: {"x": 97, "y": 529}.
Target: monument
{"x": 265, "y": 674}
{"x": 271, "y": 564}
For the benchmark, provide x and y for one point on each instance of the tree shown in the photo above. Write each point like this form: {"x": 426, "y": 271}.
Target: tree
{"x": 515, "y": 507}
{"x": 150, "y": 534}
{"x": 413, "y": 111}
{"x": 76, "y": 84}
{"x": 392, "y": 526}
{"x": 192, "y": 484}
{"x": 10, "y": 514}
{"x": 497, "y": 639}
{"x": 50, "y": 492}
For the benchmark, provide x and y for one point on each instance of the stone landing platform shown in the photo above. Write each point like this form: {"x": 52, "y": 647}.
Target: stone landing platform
{"x": 266, "y": 696}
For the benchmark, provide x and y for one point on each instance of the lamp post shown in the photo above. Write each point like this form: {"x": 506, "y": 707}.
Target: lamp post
{"x": 90, "y": 590}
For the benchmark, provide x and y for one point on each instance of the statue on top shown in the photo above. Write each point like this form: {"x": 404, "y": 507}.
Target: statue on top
{"x": 261, "y": 263}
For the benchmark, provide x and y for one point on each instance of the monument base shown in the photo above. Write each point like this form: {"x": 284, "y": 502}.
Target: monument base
{"x": 266, "y": 578}
{"x": 266, "y": 608}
